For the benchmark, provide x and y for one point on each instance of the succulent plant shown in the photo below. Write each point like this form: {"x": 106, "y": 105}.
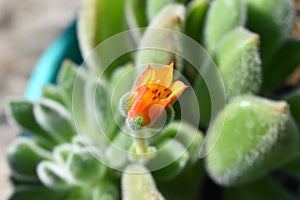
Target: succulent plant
{"x": 112, "y": 128}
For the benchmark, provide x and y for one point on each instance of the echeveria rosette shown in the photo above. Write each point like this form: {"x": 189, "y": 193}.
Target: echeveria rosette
{"x": 152, "y": 93}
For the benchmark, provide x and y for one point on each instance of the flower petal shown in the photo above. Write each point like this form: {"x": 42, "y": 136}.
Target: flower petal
{"x": 147, "y": 76}
{"x": 154, "y": 110}
{"x": 177, "y": 88}
{"x": 141, "y": 100}
{"x": 164, "y": 75}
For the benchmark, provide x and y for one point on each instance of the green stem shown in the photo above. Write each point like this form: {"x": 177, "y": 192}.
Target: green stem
{"x": 141, "y": 145}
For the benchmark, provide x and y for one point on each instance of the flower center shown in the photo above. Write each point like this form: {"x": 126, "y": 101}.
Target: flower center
{"x": 159, "y": 91}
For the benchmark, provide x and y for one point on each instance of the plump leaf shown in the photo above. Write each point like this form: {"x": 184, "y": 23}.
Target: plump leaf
{"x": 62, "y": 152}
{"x": 67, "y": 77}
{"x": 195, "y": 18}
{"x": 23, "y": 157}
{"x": 84, "y": 166}
{"x": 97, "y": 107}
{"x": 190, "y": 137}
{"x": 161, "y": 35}
{"x": 170, "y": 159}
{"x": 155, "y": 6}
{"x": 54, "y": 93}
{"x": 223, "y": 16}
{"x": 250, "y": 137}
{"x": 99, "y": 20}
{"x": 122, "y": 81}
{"x": 240, "y": 67}
{"x": 54, "y": 118}
{"x": 135, "y": 13}
{"x": 138, "y": 184}
{"x": 118, "y": 151}
{"x": 21, "y": 111}
{"x": 272, "y": 20}
{"x": 54, "y": 176}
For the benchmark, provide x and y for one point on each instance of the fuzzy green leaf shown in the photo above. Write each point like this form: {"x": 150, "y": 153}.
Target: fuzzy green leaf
{"x": 155, "y": 6}
{"x": 98, "y": 21}
{"x": 264, "y": 137}
{"x": 62, "y": 152}
{"x": 195, "y": 19}
{"x": 67, "y": 75}
{"x": 170, "y": 159}
{"x": 272, "y": 20}
{"x": 223, "y": 16}
{"x": 162, "y": 34}
{"x": 69, "y": 79}
{"x": 135, "y": 13}
{"x": 118, "y": 151}
{"x": 138, "y": 184}
{"x": 21, "y": 111}
{"x": 97, "y": 107}
{"x": 106, "y": 191}
{"x": 23, "y": 157}
{"x": 240, "y": 67}
{"x": 122, "y": 80}
{"x": 84, "y": 166}
{"x": 54, "y": 93}
{"x": 54, "y": 118}
{"x": 53, "y": 176}
{"x": 190, "y": 137}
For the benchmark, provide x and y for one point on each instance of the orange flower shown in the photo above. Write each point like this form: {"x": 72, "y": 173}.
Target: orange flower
{"x": 152, "y": 92}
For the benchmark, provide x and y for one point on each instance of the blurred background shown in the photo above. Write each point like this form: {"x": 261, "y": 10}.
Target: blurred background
{"x": 26, "y": 29}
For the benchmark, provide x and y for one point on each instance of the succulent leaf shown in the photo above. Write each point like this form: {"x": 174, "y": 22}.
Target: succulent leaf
{"x": 190, "y": 137}
{"x": 240, "y": 67}
{"x": 21, "y": 112}
{"x": 106, "y": 191}
{"x": 117, "y": 152}
{"x": 223, "y": 16}
{"x": 135, "y": 15}
{"x": 195, "y": 19}
{"x": 99, "y": 20}
{"x": 160, "y": 35}
{"x": 53, "y": 176}
{"x": 55, "y": 119}
{"x": 155, "y": 6}
{"x": 122, "y": 80}
{"x": 54, "y": 93}
{"x": 272, "y": 20}
{"x": 97, "y": 107}
{"x": 84, "y": 167}
{"x": 264, "y": 137}
{"x": 23, "y": 157}
{"x": 171, "y": 154}
{"x": 138, "y": 184}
